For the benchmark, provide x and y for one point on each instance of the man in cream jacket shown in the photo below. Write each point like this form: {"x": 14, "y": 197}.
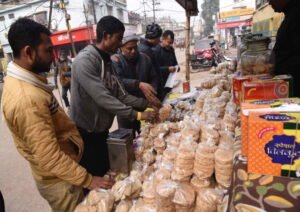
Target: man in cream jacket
{"x": 42, "y": 132}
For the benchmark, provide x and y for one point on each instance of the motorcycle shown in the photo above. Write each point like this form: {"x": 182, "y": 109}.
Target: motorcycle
{"x": 207, "y": 58}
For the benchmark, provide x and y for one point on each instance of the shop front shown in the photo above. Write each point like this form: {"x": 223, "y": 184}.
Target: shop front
{"x": 82, "y": 37}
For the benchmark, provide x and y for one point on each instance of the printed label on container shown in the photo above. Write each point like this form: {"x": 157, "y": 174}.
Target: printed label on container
{"x": 277, "y": 117}
{"x": 283, "y": 149}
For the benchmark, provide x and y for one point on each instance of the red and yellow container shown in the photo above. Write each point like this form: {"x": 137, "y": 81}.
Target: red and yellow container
{"x": 238, "y": 81}
{"x": 265, "y": 90}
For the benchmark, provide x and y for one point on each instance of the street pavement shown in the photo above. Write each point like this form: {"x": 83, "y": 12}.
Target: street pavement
{"x": 16, "y": 182}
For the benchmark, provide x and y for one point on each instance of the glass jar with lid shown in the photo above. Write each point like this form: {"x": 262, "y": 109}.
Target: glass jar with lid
{"x": 256, "y": 59}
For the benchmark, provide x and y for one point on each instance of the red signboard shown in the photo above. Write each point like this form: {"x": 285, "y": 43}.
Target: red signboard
{"x": 234, "y": 24}
{"x": 79, "y": 34}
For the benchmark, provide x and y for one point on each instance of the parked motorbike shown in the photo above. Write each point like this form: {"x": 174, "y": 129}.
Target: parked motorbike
{"x": 208, "y": 57}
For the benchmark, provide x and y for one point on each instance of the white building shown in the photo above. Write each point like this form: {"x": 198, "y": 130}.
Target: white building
{"x": 227, "y": 5}
{"x": 38, "y": 10}
{"x": 233, "y": 16}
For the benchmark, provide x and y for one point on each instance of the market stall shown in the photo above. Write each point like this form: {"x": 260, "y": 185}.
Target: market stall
{"x": 229, "y": 145}
{"x": 183, "y": 161}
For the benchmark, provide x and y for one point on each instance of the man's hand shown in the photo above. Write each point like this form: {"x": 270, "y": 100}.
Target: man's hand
{"x": 100, "y": 182}
{"x": 150, "y": 94}
{"x": 147, "y": 89}
{"x": 172, "y": 69}
{"x": 148, "y": 116}
{"x": 154, "y": 102}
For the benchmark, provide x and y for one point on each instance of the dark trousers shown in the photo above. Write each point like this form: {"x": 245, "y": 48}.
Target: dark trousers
{"x": 95, "y": 155}
{"x": 127, "y": 124}
{"x": 64, "y": 94}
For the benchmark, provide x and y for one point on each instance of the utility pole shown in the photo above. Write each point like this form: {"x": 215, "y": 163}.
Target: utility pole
{"x": 153, "y": 4}
{"x": 50, "y": 14}
{"x": 67, "y": 17}
{"x": 145, "y": 14}
{"x": 94, "y": 11}
{"x": 87, "y": 23}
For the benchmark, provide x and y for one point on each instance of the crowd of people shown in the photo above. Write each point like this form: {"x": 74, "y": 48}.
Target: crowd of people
{"x": 121, "y": 75}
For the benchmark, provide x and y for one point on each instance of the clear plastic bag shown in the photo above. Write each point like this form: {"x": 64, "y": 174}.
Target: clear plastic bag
{"x": 149, "y": 193}
{"x": 200, "y": 185}
{"x": 184, "y": 162}
{"x": 141, "y": 206}
{"x": 160, "y": 175}
{"x": 184, "y": 195}
{"x": 165, "y": 193}
{"x": 102, "y": 199}
{"x": 129, "y": 188}
{"x": 149, "y": 156}
{"x": 159, "y": 144}
{"x": 170, "y": 153}
{"x": 224, "y": 165}
{"x": 85, "y": 208}
{"x": 208, "y": 200}
{"x": 216, "y": 91}
{"x": 124, "y": 206}
{"x": 165, "y": 112}
{"x": 204, "y": 160}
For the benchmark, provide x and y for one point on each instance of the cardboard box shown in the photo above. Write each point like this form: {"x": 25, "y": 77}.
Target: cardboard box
{"x": 261, "y": 106}
{"x": 274, "y": 143}
{"x": 289, "y": 79}
{"x": 237, "y": 83}
{"x": 265, "y": 90}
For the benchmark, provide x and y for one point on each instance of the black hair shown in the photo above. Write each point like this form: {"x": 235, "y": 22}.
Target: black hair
{"x": 25, "y": 32}
{"x": 168, "y": 33}
{"x": 110, "y": 25}
{"x": 153, "y": 31}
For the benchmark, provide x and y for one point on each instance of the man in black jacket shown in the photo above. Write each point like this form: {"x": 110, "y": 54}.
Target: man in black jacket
{"x": 152, "y": 39}
{"x": 286, "y": 50}
{"x": 137, "y": 74}
{"x": 165, "y": 55}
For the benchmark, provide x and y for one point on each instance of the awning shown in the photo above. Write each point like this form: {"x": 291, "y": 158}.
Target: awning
{"x": 79, "y": 34}
{"x": 190, "y": 6}
{"x": 234, "y": 24}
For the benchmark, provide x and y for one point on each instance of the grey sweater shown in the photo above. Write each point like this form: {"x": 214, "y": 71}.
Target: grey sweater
{"x": 97, "y": 94}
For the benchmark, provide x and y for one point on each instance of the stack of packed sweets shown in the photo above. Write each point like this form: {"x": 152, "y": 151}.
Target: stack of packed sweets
{"x": 183, "y": 162}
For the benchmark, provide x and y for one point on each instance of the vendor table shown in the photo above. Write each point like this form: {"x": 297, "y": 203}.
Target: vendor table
{"x": 255, "y": 192}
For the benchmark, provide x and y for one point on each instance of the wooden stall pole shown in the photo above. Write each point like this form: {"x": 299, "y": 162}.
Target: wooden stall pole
{"x": 187, "y": 52}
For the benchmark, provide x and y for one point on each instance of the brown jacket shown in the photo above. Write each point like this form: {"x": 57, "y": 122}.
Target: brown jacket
{"x": 62, "y": 67}
{"x": 42, "y": 132}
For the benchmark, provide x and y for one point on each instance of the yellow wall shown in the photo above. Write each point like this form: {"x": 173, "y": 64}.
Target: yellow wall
{"x": 266, "y": 21}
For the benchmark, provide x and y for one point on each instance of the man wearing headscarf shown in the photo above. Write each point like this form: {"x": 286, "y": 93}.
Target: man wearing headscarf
{"x": 137, "y": 74}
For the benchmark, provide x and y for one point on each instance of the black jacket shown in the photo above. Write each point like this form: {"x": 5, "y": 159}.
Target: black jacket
{"x": 165, "y": 57}
{"x": 147, "y": 48}
{"x": 134, "y": 72}
{"x": 286, "y": 49}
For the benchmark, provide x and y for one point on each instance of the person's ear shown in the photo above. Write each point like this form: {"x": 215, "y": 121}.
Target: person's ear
{"x": 29, "y": 53}
{"x": 106, "y": 35}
